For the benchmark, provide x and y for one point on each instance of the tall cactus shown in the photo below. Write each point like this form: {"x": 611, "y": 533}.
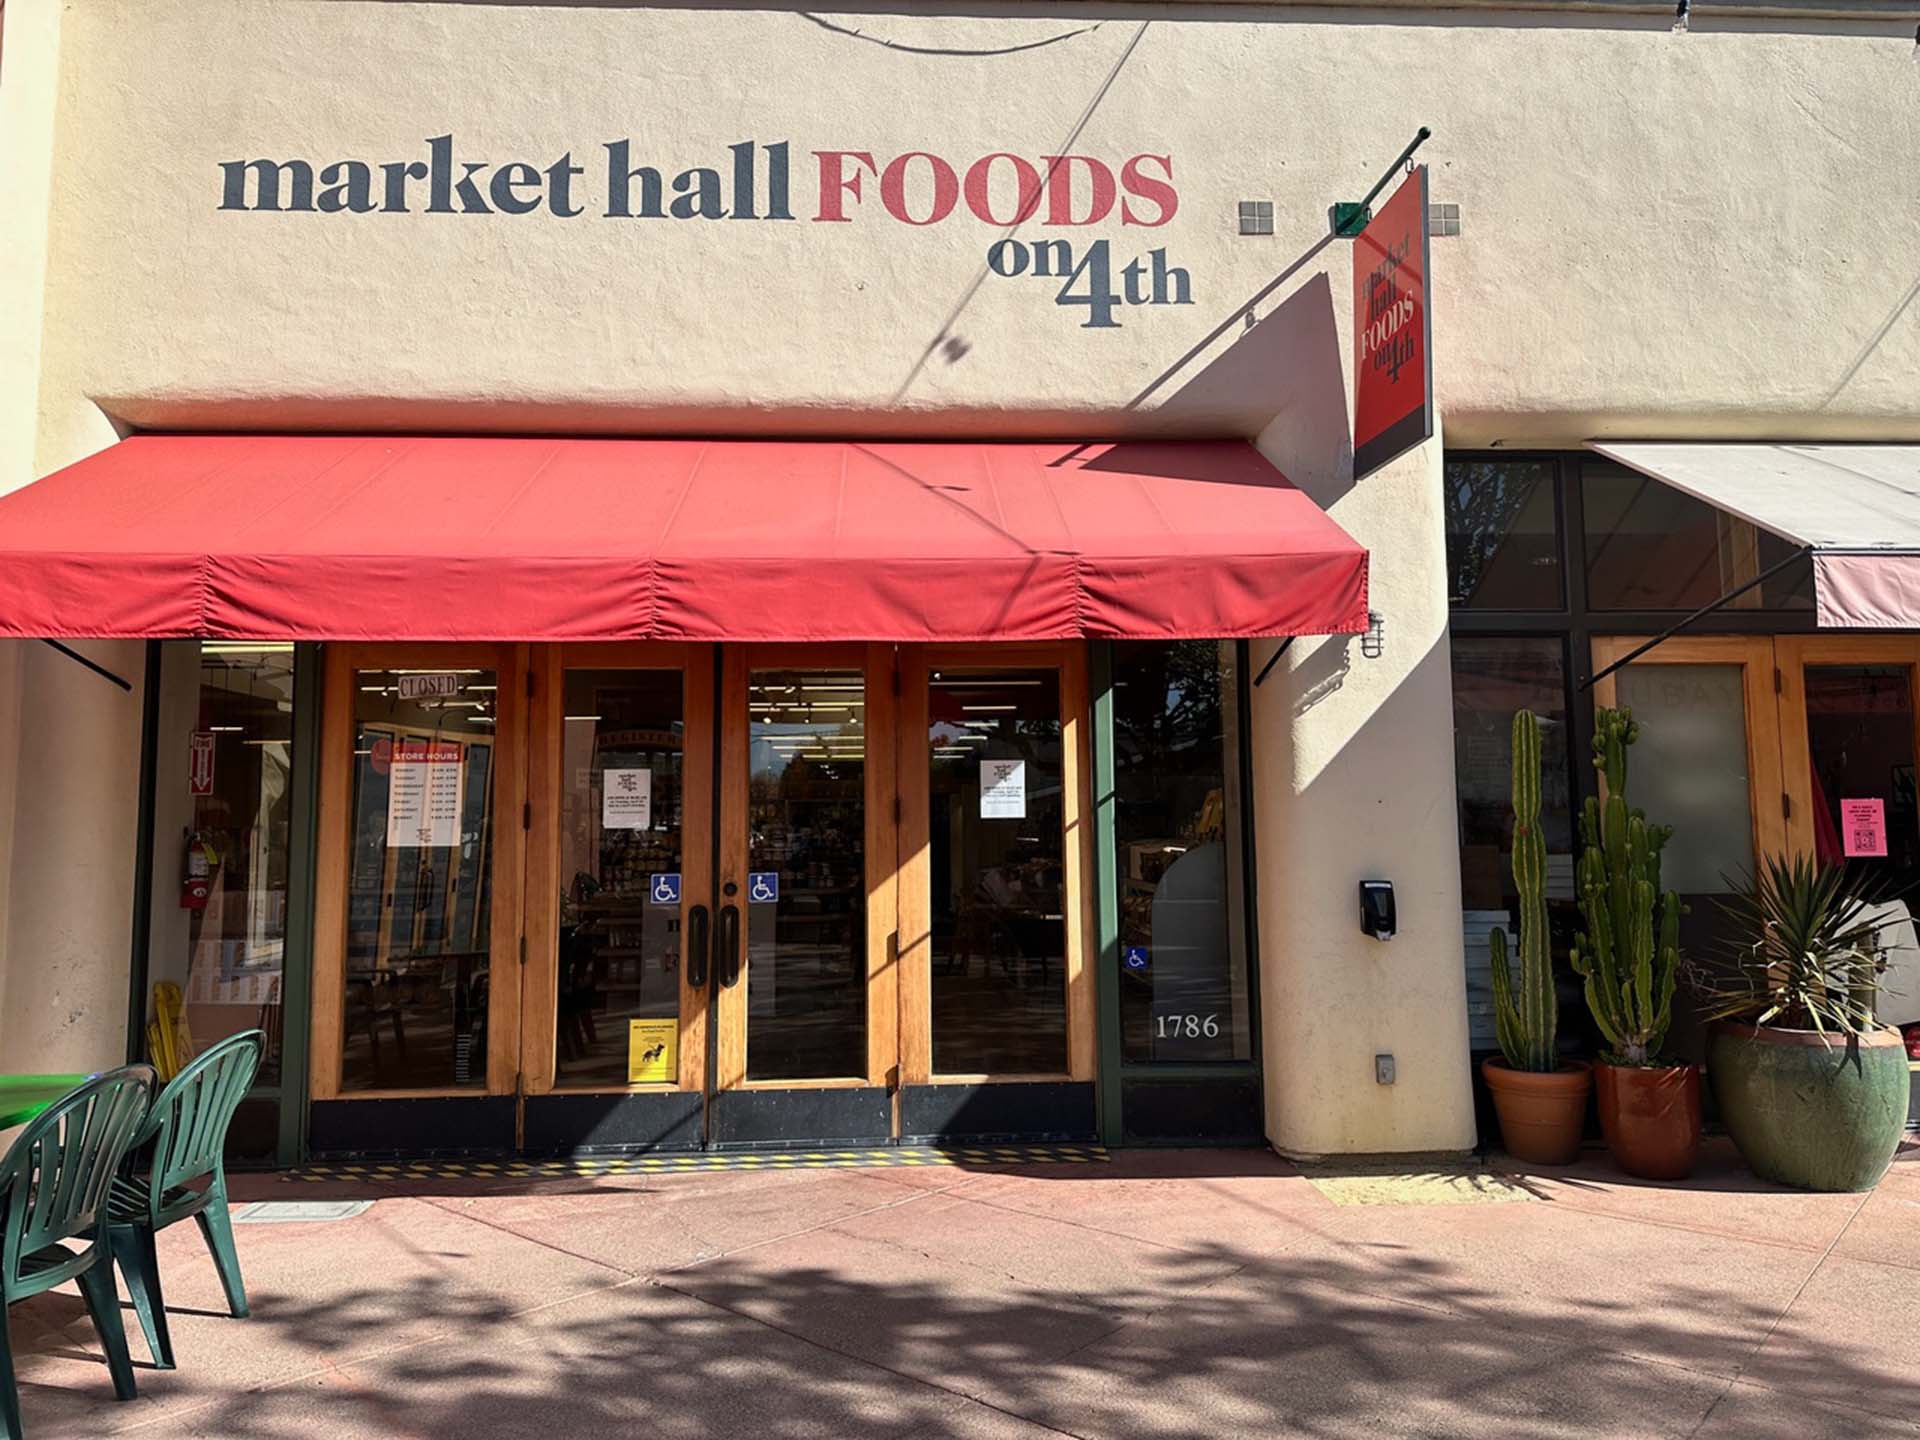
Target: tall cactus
{"x": 1527, "y": 1017}
{"x": 1629, "y": 953}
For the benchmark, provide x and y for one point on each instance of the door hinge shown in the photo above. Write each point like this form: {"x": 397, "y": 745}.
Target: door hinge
{"x": 1779, "y": 681}
{"x": 529, "y": 682}
{"x": 1786, "y": 806}
{"x": 526, "y": 815}
{"x": 523, "y": 949}
{"x": 896, "y": 680}
{"x": 896, "y": 809}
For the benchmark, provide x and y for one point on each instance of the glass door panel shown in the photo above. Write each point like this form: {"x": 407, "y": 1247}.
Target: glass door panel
{"x": 1707, "y": 763}
{"x": 623, "y": 788}
{"x": 806, "y": 1007}
{"x": 996, "y": 872}
{"x": 806, "y": 885}
{"x": 1849, "y": 730}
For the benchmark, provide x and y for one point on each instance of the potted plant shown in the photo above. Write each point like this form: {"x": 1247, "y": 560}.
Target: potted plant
{"x": 1811, "y": 1086}
{"x": 1628, "y": 956}
{"x": 1541, "y": 1099}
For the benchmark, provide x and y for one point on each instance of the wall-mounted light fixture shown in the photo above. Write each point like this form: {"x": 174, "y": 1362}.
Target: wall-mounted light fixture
{"x": 1373, "y": 644}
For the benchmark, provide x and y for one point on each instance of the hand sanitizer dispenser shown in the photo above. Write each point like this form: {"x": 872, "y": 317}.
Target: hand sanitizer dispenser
{"x": 1376, "y": 909}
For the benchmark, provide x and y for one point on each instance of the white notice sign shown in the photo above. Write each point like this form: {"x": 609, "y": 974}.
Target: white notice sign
{"x": 626, "y": 800}
{"x": 1003, "y": 789}
{"x": 423, "y": 794}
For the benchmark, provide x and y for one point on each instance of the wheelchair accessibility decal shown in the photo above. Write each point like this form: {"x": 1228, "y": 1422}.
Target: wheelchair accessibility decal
{"x": 664, "y": 889}
{"x": 763, "y": 887}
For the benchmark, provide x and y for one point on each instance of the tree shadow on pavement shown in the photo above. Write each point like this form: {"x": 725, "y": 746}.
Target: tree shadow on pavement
{"x": 1210, "y": 1342}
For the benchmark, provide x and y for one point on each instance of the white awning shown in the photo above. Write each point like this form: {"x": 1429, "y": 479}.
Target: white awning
{"x": 1855, "y": 507}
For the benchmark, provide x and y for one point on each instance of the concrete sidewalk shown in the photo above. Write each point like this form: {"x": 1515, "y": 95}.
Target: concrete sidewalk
{"x": 1161, "y": 1294}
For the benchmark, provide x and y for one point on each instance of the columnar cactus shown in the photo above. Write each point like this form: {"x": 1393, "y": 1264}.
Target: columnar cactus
{"x": 1629, "y": 953}
{"x": 1527, "y": 1015}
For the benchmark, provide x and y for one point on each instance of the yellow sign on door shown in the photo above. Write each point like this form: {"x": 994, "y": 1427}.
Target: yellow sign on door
{"x": 653, "y": 1052}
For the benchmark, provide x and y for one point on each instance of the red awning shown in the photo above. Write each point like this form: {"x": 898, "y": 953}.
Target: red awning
{"x": 372, "y": 537}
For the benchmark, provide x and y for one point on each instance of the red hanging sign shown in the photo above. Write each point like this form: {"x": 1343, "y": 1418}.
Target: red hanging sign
{"x": 200, "y": 763}
{"x": 1392, "y": 331}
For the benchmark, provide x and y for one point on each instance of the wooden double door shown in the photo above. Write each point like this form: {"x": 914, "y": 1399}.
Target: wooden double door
{"x": 599, "y": 897}
{"x": 1764, "y": 745}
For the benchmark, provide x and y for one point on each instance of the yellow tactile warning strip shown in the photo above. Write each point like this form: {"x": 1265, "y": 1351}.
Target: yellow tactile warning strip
{"x": 1462, "y": 1186}
{"x": 878, "y": 1157}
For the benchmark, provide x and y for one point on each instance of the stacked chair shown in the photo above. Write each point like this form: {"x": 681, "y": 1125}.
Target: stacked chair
{"x": 96, "y": 1177}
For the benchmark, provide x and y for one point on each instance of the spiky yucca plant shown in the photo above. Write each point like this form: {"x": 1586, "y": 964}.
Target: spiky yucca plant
{"x": 1526, "y": 1012}
{"x": 1809, "y": 954}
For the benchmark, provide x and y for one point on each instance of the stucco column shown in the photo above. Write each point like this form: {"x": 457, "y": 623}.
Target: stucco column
{"x": 1353, "y": 780}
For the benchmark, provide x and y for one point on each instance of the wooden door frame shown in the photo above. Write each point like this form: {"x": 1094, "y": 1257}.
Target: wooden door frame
{"x": 545, "y": 757}
{"x": 334, "y": 848}
{"x": 1069, "y": 659}
{"x": 876, "y": 662}
{"x": 1756, "y": 657}
{"x": 1793, "y": 653}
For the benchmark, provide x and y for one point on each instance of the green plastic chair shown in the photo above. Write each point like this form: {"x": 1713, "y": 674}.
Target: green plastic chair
{"x": 183, "y": 1142}
{"x": 54, "y": 1187}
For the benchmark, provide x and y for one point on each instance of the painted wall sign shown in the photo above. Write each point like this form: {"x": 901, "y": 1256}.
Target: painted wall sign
{"x": 1863, "y": 826}
{"x": 200, "y": 763}
{"x": 1000, "y": 190}
{"x": 1392, "y": 330}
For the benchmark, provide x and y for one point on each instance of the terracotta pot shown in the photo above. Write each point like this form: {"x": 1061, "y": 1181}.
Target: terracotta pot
{"x": 1803, "y": 1110}
{"x": 1651, "y": 1117}
{"x": 1541, "y": 1115}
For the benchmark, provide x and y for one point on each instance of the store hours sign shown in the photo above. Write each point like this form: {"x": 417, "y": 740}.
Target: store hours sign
{"x": 1043, "y": 218}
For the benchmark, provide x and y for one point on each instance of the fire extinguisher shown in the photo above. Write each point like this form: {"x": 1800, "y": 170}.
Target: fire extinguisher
{"x": 196, "y": 872}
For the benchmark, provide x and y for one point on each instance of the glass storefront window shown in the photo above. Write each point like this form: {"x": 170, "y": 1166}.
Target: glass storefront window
{"x": 419, "y": 899}
{"x": 620, "y": 824}
{"x": 1492, "y": 678}
{"x": 1503, "y": 537}
{"x": 240, "y": 762}
{"x": 1652, "y": 547}
{"x": 1860, "y": 753}
{"x": 1183, "y": 972}
{"x": 997, "y": 872}
{"x": 806, "y": 910}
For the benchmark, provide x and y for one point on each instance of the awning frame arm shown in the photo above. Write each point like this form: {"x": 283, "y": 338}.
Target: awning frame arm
{"x": 1804, "y": 552}
{"x": 1274, "y": 659}
{"x": 100, "y": 670}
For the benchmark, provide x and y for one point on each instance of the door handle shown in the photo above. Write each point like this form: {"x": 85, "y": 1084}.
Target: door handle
{"x": 697, "y": 946}
{"x": 729, "y": 945}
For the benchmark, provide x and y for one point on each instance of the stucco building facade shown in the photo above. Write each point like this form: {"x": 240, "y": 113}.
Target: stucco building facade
{"x": 759, "y": 223}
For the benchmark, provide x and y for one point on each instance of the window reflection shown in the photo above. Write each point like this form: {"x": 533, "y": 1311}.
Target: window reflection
{"x": 419, "y": 899}
{"x": 1652, "y": 547}
{"x": 996, "y": 874}
{"x": 1183, "y": 979}
{"x": 620, "y": 862}
{"x": 1503, "y": 539}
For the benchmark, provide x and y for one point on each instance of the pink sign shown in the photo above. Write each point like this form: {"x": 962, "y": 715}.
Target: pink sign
{"x": 1863, "y": 826}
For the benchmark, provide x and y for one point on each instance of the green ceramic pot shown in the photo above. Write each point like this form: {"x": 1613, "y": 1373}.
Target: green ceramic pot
{"x": 1803, "y": 1111}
